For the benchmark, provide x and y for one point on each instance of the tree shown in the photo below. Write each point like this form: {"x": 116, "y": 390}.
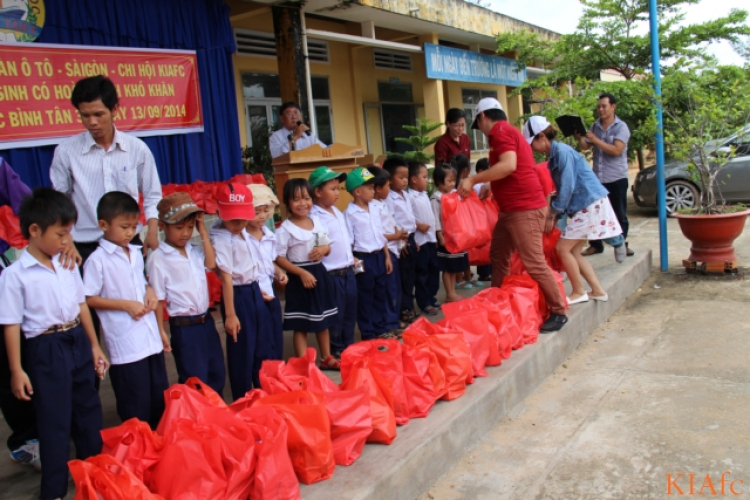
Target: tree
{"x": 419, "y": 140}
{"x": 613, "y": 34}
{"x": 705, "y": 107}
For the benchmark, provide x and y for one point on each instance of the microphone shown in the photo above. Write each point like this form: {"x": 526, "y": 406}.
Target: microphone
{"x": 306, "y": 131}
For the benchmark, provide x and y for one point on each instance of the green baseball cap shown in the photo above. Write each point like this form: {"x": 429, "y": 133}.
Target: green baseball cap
{"x": 321, "y": 175}
{"x": 358, "y": 177}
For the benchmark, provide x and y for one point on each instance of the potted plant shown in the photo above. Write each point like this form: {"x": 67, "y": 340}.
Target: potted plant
{"x": 420, "y": 140}
{"x": 706, "y": 119}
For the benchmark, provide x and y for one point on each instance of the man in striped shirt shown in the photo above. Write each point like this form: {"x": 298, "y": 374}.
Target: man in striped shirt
{"x": 100, "y": 160}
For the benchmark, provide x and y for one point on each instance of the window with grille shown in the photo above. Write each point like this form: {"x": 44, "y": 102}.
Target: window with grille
{"x": 387, "y": 59}
{"x": 262, "y": 44}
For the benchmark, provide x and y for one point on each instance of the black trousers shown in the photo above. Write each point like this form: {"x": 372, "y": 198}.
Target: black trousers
{"x": 618, "y": 197}
{"x": 61, "y": 370}
{"x": 139, "y": 388}
{"x": 19, "y": 415}
{"x": 408, "y": 268}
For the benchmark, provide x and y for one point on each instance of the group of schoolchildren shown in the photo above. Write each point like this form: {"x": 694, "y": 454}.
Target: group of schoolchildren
{"x": 363, "y": 266}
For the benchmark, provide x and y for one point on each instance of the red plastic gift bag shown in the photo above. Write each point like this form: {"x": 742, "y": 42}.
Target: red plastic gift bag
{"x": 526, "y": 281}
{"x": 135, "y": 445}
{"x": 465, "y": 223}
{"x": 385, "y": 358}
{"x": 191, "y": 463}
{"x": 451, "y": 350}
{"x": 248, "y": 400}
{"x": 476, "y": 336}
{"x": 237, "y": 442}
{"x": 181, "y": 401}
{"x": 103, "y": 477}
{"x": 211, "y": 395}
{"x": 462, "y": 311}
{"x": 248, "y": 179}
{"x": 420, "y": 388}
{"x": 10, "y": 228}
{"x": 273, "y": 477}
{"x": 309, "y": 438}
{"x": 524, "y": 306}
{"x": 214, "y": 288}
{"x": 351, "y": 422}
{"x": 348, "y": 411}
{"x": 497, "y": 302}
{"x": 480, "y": 256}
{"x": 381, "y": 400}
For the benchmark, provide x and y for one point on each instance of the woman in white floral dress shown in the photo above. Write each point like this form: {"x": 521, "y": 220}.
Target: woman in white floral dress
{"x": 582, "y": 197}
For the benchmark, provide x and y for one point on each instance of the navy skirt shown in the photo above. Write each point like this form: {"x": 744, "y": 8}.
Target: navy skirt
{"x": 452, "y": 262}
{"x": 309, "y": 309}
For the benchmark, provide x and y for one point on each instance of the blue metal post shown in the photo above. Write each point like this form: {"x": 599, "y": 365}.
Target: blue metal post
{"x": 661, "y": 193}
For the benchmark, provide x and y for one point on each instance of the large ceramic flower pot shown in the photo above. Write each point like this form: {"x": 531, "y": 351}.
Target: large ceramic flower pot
{"x": 712, "y": 236}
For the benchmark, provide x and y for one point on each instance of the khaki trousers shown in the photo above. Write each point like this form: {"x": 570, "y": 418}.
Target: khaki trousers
{"x": 523, "y": 231}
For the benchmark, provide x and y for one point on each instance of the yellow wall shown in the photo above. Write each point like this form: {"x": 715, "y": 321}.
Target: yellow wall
{"x": 353, "y": 81}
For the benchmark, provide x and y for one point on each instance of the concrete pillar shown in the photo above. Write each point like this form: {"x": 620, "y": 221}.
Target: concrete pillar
{"x": 287, "y": 27}
{"x": 515, "y": 108}
{"x": 434, "y": 99}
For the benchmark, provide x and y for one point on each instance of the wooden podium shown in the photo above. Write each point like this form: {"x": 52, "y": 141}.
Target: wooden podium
{"x": 296, "y": 164}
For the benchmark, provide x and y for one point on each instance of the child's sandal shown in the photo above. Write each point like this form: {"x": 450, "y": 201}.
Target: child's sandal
{"x": 331, "y": 364}
{"x": 464, "y": 285}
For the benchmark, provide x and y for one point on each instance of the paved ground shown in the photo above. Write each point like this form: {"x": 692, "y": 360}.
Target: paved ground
{"x": 662, "y": 388}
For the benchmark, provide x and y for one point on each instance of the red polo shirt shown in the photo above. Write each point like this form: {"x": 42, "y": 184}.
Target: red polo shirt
{"x": 446, "y": 148}
{"x": 521, "y": 190}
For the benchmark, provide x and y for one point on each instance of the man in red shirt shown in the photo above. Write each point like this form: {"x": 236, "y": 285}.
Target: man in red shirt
{"x": 523, "y": 207}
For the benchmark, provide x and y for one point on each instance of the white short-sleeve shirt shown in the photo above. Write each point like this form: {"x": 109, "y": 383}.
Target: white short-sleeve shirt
{"x": 420, "y": 204}
{"x": 233, "y": 254}
{"x": 111, "y": 274}
{"x": 296, "y": 243}
{"x": 341, "y": 249}
{"x": 401, "y": 210}
{"x": 365, "y": 228}
{"x": 389, "y": 225}
{"x": 36, "y": 297}
{"x": 178, "y": 280}
{"x": 264, "y": 253}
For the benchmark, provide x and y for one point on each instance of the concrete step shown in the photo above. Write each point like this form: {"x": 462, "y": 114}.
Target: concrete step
{"x": 426, "y": 448}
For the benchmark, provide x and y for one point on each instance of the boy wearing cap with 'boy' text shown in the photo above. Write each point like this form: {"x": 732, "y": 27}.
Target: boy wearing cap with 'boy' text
{"x": 339, "y": 263}
{"x": 116, "y": 287}
{"x": 270, "y": 341}
{"x": 177, "y": 273}
{"x": 243, "y": 307}
{"x": 363, "y": 222}
{"x": 46, "y": 304}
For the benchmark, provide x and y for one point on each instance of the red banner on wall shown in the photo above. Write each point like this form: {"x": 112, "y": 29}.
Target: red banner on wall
{"x": 158, "y": 91}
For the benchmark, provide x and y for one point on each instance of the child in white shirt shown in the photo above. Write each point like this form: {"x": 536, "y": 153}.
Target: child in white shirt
{"x": 177, "y": 273}
{"x": 363, "y": 220}
{"x": 45, "y": 302}
{"x": 243, "y": 302}
{"x": 302, "y": 244}
{"x": 427, "y": 280}
{"x": 339, "y": 263}
{"x": 115, "y": 285}
{"x": 270, "y": 342}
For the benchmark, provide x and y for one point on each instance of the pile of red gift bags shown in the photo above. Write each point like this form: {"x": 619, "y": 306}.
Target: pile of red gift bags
{"x": 300, "y": 425}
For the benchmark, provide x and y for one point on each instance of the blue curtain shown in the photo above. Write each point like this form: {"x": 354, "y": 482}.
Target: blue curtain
{"x": 200, "y": 25}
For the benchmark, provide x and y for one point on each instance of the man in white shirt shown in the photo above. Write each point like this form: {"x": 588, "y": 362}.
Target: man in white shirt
{"x": 293, "y": 135}
{"x": 99, "y": 160}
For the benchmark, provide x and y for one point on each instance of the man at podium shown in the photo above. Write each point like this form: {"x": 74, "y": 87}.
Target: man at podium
{"x": 293, "y": 135}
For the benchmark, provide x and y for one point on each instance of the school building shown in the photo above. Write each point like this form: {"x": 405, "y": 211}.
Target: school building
{"x": 370, "y": 66}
